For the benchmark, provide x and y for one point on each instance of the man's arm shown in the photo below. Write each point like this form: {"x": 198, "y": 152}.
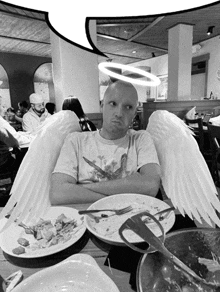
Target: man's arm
{"x": 146, "y": 182}
{"x": 8, "y": 138}
{"x": 64, "y": 190}
{"x": 18, "y": 119}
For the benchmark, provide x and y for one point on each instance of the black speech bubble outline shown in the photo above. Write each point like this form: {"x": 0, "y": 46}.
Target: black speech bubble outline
{"x": 47, "y": 20}
{"x": 95, "y": 50}
{"x": 136, "y": 17}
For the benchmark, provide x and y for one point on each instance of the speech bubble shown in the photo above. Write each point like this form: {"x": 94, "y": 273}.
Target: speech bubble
{"x": 68, "y": 18}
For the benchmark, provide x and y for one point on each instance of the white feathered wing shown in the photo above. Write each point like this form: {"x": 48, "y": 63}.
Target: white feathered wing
{"x": 30, "y": 191}
{"x": 186, "y": 178}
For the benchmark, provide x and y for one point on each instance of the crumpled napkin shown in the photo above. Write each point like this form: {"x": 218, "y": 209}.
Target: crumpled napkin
{"x": 10, "y": 282}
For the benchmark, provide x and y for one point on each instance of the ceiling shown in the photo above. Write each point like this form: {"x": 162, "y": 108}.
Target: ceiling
{"x": 24, "y": 32}
{"x": 122, "y": 40}
{"x": 130, "y": 40}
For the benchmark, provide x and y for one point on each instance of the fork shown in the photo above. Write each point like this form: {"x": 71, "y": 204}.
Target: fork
{"x": 164, "y": 211}
{"x": 160, "y": 214}
{"x": 116, "y": 211}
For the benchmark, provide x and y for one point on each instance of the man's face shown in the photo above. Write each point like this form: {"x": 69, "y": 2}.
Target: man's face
{"x": 39, "y": 108}
{"x": 119, "y": 109}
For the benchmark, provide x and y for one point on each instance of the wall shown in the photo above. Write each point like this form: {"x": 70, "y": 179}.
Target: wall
{"x": 213, "y": 47}
{"x": 159, "y": 66}
{"x": 20, "y": 70}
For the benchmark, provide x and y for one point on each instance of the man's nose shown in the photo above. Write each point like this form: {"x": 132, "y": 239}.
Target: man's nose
{"x": 119, "y": 112}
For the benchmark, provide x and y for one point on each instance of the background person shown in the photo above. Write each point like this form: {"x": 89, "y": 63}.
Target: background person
{"x": 72, "y": 103}
{"x": 22, "y": 109}
{"x": 51, "y": 107}
{"x": 36, "y": 115}
{"x": 114, "y": 160}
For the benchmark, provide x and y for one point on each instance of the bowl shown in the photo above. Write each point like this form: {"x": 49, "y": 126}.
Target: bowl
{"x": 77, "y": 273}
{"x": 198, "y": 248}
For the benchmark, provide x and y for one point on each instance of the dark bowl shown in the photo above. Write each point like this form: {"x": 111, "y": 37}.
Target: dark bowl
{"x": 155, "y": 273}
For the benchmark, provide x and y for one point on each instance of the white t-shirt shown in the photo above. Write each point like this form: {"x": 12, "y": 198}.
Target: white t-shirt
{"x": 88, "y": 157}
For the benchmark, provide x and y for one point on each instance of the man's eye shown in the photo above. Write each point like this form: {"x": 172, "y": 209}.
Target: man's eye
{"x": 128, "y": 107}
{"x": 112, "y": 103}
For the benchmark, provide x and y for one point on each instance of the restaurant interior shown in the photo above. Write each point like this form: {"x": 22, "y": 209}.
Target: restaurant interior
{"x": 183, "y": 50}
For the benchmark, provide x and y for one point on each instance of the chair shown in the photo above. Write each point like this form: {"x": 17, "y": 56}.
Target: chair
{"x": 6, "y": 181}
{"x": 197, "y": 126}
{"x": 202, "y": 138}
{"x": 214, "y": 132}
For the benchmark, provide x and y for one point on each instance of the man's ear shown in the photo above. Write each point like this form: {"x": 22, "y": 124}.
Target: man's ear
{"x": 135, "y": 113}
{"x": 101, "y": 105}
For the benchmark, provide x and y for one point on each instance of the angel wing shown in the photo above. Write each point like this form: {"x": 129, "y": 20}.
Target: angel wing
{"x": 30, "y": 191}
{"x": 186, "y": 178}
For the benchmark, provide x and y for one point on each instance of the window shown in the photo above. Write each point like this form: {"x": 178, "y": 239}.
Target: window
{"x": 43, "y": 82}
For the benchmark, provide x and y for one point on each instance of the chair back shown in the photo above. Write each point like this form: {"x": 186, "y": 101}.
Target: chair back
{"x": 197, "y": 126}
{"x": 214, "y": 133}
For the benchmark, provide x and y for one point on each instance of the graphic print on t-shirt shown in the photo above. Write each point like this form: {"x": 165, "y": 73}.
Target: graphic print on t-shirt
{"x": 109, "y": 172}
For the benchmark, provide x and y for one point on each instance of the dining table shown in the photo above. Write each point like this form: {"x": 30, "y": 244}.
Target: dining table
{"x": 118, "y": 262}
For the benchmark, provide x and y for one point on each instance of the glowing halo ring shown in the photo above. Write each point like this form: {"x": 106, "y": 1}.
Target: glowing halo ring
{"x": 155, "y": 80}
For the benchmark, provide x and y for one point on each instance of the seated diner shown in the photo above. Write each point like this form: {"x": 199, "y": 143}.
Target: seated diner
{"x": 113, "y": 160}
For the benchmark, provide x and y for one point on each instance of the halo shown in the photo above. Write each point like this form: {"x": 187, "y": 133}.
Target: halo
{"x": 155, "y": 81}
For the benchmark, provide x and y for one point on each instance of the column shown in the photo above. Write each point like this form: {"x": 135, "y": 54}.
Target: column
{"x": 179, "y": 62}
{"x": 75, "y": 72}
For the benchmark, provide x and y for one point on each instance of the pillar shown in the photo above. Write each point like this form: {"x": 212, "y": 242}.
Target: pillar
{"x": 75, "y": 72}
{"x": 179, "y": 62}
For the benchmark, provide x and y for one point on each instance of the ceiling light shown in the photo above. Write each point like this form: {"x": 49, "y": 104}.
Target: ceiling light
{"x": 104, "y": 67}
{"x": 134, "y": 52}
{"x": 210, "y": 30}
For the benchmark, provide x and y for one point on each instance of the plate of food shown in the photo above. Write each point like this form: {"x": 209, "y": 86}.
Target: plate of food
{"x": 107, "y": 226}
{"x": 79, "y": 273}
{"x": 58, "y": 229}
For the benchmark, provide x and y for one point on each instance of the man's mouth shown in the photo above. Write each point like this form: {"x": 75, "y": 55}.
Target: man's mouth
{"x": 116, "y": 121}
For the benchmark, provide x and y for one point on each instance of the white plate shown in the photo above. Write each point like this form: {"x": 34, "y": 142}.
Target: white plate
{"x": 8, "y": 239}
{"x": 107, "y": 228}
{"x": 78, "y": 273}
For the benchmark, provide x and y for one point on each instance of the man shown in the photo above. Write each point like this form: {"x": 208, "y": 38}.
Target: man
{"x": 36, "y": 115}
{"x": 114, "y": 160}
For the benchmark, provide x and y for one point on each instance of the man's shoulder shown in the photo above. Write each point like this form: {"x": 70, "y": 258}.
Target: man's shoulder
{"x": 139, "y": 133}
{"x": 28, "y": 114}
{"x": 5, "y": 126}
{"x": 82, "y": 135}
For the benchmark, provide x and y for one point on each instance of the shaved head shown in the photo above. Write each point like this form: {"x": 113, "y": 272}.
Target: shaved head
{"x": 119, "y": 107}
{"x": 121, "y": 88}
